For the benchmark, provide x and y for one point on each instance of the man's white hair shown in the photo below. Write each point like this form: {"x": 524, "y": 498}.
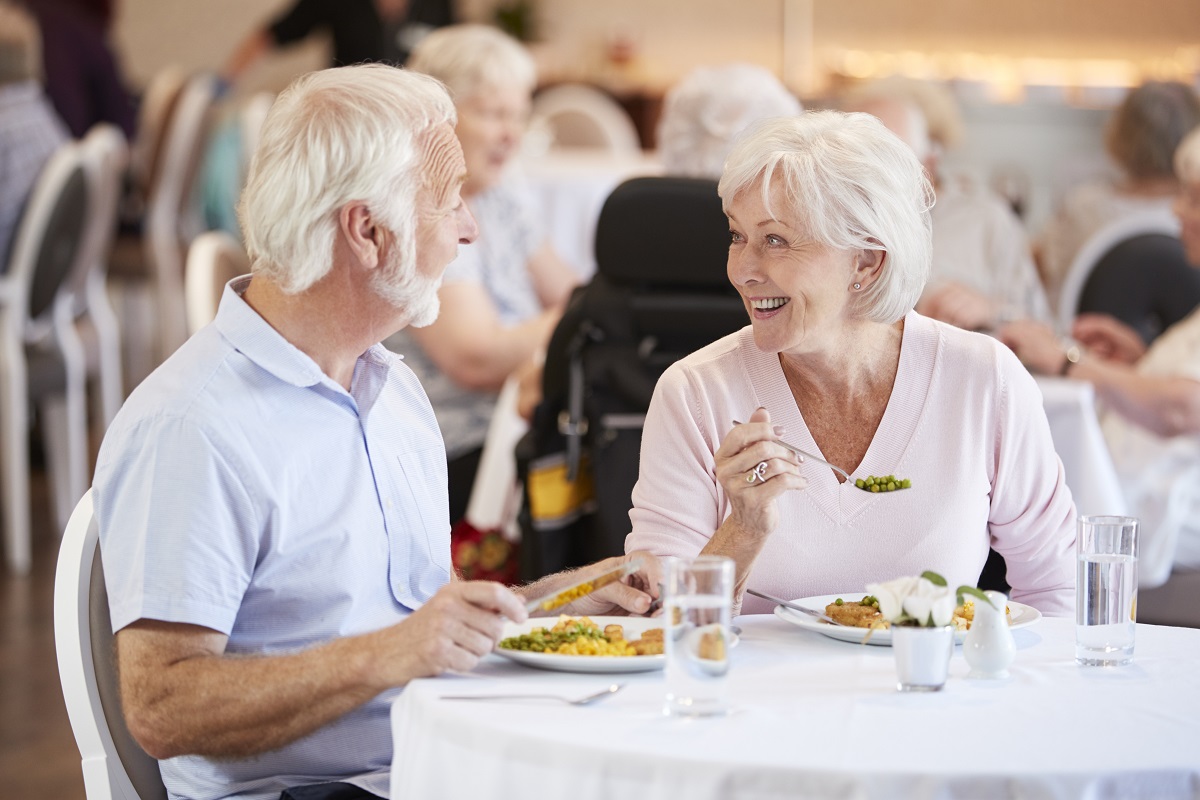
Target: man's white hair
{"x": 350, "y": 134}
{"x": 850, "y": 184}
{"x": 474, "y": 58}
{"x": 705, "y": 111}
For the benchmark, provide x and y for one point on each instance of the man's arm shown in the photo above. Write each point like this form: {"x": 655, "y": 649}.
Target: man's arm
{"x": 182, "y": 695}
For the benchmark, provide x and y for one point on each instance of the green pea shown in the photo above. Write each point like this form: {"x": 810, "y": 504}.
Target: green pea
{"x": 860, "y": 483}
{"x": 838, "y": 602}
{"x": 875, "y": 488}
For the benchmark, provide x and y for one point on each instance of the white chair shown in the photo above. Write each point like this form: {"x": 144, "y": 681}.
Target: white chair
{"x": 1097, "y": 246}
{"x": 114, "y": 766}
{"x": 41, "y": 358}
{"x": 107, "y": 156}
{"x": 214, "y": 259}
{"x": 578, "y": 115}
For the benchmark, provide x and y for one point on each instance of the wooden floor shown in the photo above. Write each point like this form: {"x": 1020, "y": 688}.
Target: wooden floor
{"x": 38, "y": 759}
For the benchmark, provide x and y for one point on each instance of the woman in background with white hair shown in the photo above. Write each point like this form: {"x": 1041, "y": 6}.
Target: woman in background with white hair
{"x": 830, "y": 249}
{"x": 704, "y": 112}
{"x": 1152, "y": 400}
{"x": 503, "y": 295}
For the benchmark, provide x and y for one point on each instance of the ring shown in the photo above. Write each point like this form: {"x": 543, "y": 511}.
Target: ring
{"x": 758, "y": 473}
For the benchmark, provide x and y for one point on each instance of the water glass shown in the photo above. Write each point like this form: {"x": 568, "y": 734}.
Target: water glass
{"x": 1105, "y": 590}
{"x": 697, "y": 603}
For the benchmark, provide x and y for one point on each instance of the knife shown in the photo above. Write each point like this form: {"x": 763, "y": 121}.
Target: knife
{"x": 801, "y": 609}
{"x": 568, "y": 594}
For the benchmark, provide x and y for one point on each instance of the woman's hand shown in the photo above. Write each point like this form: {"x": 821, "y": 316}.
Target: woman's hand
{"x": 1035, "y": 345}
{"x": 1108, "y": 338}
{"x": 754, "y": 471}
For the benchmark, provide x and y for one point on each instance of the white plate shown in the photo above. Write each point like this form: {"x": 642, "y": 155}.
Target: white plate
{"x": 1021, "y": 615}
{"x": 634, "y": 626}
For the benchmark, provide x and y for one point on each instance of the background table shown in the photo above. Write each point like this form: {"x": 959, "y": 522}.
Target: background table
{"x": 819, "y": 718}
{"x": 1071, "y": 409}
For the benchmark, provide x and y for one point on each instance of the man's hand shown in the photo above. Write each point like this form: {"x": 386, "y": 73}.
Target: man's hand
{"x": 1108, "y": 338}
{"x": 1035, "y": 345}
{"x": 452, "y": 632}
{"x": 960, "y": 306}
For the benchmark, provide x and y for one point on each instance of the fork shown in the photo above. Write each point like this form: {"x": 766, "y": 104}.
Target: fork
{"x": 807, "y": 454}
{"x": 586, "y": 700}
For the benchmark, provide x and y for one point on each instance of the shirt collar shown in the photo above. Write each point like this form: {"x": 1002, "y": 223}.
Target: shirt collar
{"x": 254, "y": 337}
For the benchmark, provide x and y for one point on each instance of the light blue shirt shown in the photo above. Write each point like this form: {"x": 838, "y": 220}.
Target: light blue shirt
{"x": 241, "y": 489}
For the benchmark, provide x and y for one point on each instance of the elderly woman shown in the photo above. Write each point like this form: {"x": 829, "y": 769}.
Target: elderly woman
{"x": 830, "y": 248}
{"x": 503, "y": 295}
{"x": 1141, "y": 138}
{"x": 1152, "y": 400}
{"x": 704, "y": 112}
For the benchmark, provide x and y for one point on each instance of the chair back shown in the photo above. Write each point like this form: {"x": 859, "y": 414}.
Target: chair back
{"x": 172, "y": 220}
{"x": 1097, "y": 246}
{"x": 578, "y": 115}
{"x": 49, "y": 238}
{"x": 106, "y": 155}
{"x": 158, "y": 104}
{"x": 214, "y": 259}
{"x": 114, "y": 766}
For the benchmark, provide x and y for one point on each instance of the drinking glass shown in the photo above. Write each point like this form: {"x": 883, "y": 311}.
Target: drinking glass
{"x": 1105, "y": 590}
{"x": 697, "y": 602}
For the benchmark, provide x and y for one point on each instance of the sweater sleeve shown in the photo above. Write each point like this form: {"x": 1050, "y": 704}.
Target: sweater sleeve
{"x": 1032, "y": 515}
{"x": 677, "y": 504}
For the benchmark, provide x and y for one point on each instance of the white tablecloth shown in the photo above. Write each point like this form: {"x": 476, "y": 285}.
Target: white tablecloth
{"x": 1071, "y": 409}
{"x": 819, "y": 718}
{"x": 569, "y": 188}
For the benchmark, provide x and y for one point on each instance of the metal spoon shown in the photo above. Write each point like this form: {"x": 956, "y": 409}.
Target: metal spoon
{"x": 586, "y": 700}
{"x": 807, "y": 454}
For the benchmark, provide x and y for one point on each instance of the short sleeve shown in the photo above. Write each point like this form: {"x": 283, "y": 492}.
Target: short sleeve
{"x": 177, "y": 530}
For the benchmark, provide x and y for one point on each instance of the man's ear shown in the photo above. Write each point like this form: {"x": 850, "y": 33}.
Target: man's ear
{"x": 363, "y": 233}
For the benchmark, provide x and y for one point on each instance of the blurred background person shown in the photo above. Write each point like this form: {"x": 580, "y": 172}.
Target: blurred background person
{"x": 82, "y": 76}
{"x": 982, "y": 271}
{"x": 1151, "y": 400}
{"x": 703, "y": 113}
{"x": 1141, "y": 138}
{"x": 362, "y": 30}
{"x": 30, "y": 131}
{"x": 503, "y": 295}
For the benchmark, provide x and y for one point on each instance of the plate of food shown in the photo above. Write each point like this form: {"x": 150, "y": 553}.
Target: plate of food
{"x": 864, "y": 617}
{"x": 586, "y": 644}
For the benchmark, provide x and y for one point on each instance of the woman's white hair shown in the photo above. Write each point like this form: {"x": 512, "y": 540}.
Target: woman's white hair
{"x": 331, "y": 138}
{"x": 705, "y": 111}
{"x": 850, "y": 184}
{"x": 473, "y": 58}
{"x": 1187, "y": 158}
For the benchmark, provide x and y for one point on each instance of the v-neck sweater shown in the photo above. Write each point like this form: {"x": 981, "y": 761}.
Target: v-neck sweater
{"x": 964, "y": 423}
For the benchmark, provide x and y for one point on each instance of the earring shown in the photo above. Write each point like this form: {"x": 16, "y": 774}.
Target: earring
{"x": 857, "y": 286}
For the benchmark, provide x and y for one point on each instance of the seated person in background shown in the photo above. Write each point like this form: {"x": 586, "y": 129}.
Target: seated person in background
{"x": 82, "y": 76}
{"x": 362, "y": 31}
{"x": 1141, "y": 138}
{"x": 272, "y": 501}
{"x": 503, "y": 295}
{"x": 30, "y": 131}
{"x": 829, "y": 281}
{"x": 703, "y": 113}
{"x": 983, "y": 272}
{"x": 1151, "y": 400}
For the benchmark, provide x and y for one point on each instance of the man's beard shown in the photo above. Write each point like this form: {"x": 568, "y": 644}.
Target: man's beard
{"x": 414, "y": 294}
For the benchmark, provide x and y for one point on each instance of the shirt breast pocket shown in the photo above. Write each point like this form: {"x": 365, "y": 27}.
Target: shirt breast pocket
{"x": 423, "y": 505}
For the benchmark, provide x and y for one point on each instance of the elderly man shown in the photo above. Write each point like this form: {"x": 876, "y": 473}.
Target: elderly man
{"x": 30, "y": 131}
{"x": 272, "y": 500}
{"x": 983, "y": 272}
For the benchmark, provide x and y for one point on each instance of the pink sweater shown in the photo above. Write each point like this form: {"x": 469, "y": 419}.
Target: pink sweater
{"x": 965, "y": 423}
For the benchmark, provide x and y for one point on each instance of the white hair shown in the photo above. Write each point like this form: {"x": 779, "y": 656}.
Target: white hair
{"x": 473, "y": 58}
{"x": 851, "y": 184}
{"x": 901, "y": 116}
{"x": 705, "y": 111}
{"x": 331, "y": 138}
{"x": 1187, "y": 158}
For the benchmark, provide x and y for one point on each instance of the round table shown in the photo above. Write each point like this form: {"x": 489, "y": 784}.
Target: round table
{"x": 815, "y": 717}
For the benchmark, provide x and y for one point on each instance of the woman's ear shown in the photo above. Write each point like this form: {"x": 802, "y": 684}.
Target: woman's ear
{"x": 363, "y": 234}
{"x": 868, "y": 266}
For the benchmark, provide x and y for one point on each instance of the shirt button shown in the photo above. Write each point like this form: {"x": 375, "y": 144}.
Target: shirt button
{"x": 388, "y": 503}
